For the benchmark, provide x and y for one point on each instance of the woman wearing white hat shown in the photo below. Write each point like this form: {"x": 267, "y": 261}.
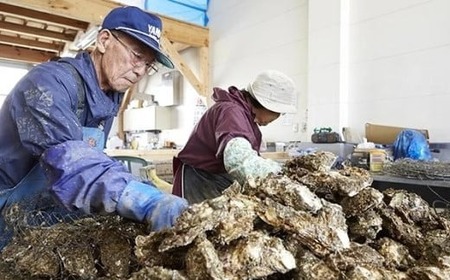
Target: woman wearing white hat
{"x": 224, "y": 145}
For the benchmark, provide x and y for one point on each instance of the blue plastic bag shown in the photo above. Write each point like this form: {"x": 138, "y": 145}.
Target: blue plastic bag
{"x": 411, "y": 144}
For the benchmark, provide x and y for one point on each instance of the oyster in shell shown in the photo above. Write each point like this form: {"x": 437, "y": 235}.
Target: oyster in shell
{"x": 405, "y": 233}
{"x": 357, "y": 254}
{"x": 366, "y": 199}
{"x": 313, "y": 268}
{"x": 157, "y": 273}
{"x": 345, "y": 182}
{"x": 202, "y": 261}
{"x": 396, "y": 255}
{"x": 440, "y": 271}
{"x": 229, "y": 216}
{"x": 256, "y": 256}
{"x": 412, "y": 209}
{"x": 324, "y": 233}
{"x": 368, "y": 272}
{"x": 318, "y": 161}
{"x": 148, "y": 254}
{"x": 437, "y": 244}
{"x": 285, "y": 191}
{"x": 365, "y": 226}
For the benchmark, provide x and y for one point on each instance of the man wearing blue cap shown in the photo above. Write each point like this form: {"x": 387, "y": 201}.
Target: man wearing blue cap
{"x": 56, "y": 118}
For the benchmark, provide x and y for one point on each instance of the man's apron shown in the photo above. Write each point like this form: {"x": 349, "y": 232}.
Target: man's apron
{"x": 32, "y": 192}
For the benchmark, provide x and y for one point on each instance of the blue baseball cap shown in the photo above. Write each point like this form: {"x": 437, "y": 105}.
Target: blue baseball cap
{"x": 143, "y": 26}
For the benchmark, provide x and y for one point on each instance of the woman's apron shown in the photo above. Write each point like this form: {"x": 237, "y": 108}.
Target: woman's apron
{"x": 197, "y": 185}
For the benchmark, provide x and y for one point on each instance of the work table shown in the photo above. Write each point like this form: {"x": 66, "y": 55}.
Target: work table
{"x": 168, "y": 154}
{"x": 148, "y": 155}
{"x": 430, "y": 190}
{"x": 433, "y": 191}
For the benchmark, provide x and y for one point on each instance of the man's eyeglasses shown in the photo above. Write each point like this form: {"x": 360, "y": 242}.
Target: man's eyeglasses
{"x": 136, "y": 58}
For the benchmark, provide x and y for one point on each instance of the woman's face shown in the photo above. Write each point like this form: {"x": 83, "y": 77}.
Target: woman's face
{"x": 263, "y": 116}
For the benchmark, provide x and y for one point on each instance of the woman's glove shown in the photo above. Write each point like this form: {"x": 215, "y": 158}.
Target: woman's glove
{"x": 146, "y": 203}
{"x": 241, "y": 161}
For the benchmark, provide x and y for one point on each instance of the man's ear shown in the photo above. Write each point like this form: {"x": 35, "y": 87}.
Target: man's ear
{"x": 104, "y": 38}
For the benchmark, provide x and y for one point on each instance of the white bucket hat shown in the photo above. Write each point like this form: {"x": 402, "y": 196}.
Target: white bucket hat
{"x": 275, "y": 91}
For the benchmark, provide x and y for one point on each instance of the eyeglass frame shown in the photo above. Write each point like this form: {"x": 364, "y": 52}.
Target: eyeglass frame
{"x": 136, "y": 58}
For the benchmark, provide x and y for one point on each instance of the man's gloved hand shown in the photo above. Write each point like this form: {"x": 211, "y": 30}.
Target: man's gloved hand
{"x": 146, "y": 203}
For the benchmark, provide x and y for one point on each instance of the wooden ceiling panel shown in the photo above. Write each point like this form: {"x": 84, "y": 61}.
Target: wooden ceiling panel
{"x": 32, "y": 36}
{"x": 35, "y": 30}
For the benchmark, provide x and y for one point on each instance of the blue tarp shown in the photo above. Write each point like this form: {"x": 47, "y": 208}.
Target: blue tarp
{"x": 193, "y": 11}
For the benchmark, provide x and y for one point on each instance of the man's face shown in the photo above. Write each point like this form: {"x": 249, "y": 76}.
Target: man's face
{"x": 125, "y": 61}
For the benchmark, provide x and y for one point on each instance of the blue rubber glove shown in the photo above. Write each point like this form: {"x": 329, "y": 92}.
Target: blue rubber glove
{"x": 145, "y": 203}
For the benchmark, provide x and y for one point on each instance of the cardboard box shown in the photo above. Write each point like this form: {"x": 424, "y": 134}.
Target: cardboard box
{"x": 382, "y": 134}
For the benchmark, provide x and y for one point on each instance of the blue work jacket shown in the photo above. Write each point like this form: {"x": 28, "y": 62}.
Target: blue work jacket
{"x": 42, "y": 120}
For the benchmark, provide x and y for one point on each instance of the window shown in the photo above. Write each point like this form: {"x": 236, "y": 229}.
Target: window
{"x": 11, "y": 73}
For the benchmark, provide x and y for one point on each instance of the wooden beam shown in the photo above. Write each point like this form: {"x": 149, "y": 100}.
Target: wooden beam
{"x": 36, "y": 32}
{"x": 10, "y": 40}
{"x": 204, "y": 69}
{"x": 123, "y": 106}
{"x": 185, "y": 33}
{"x": 180, "y": 47}
{"x": 93, "y": 11}
{"x": 181, "y": 65}
{"x": 44, "y": 17}
{"x": 24, "y": 54}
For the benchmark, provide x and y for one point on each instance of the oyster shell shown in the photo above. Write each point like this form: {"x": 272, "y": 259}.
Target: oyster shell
{"x": 366, "y": 199}
{"x": 229, "y": 216}
{"x": 356, "y": 254}
{"x": 345, "y": 182}
{"x": 322, "y": 234}
{"x": 396, "y": 254}
{"x": 285, "y": 191}
{"x": 202, "y": 261}
{"x": 365, "y": 226}
{"x": 318, "y": 161}
{"x": 412, "y": 209}
{"x": 157, "y": 273}
{"x": 256, "y": 256}
{"x": 368, "y": 272}
{"x": 313, "y": 268}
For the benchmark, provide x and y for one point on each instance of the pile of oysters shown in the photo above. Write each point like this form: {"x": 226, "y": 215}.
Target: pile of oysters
{"x": 309, "y": 222}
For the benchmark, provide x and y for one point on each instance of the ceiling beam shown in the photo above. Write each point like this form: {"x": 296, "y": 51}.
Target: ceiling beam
{"x": 93, "y": 11}
{"x": 24, "y": 54}
{"x": 42, "y": 16}
{"x": 36, "y": 32}
{"x": 10, "y": 40}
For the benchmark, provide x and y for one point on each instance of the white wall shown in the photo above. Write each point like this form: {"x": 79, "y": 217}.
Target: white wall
{"x": 327, "y": 65}
{"x": 247, "y": 37}
{"x": 11, "y": 73}
{"x": 384, "y": 62}
{"x": 400, "y": 64}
